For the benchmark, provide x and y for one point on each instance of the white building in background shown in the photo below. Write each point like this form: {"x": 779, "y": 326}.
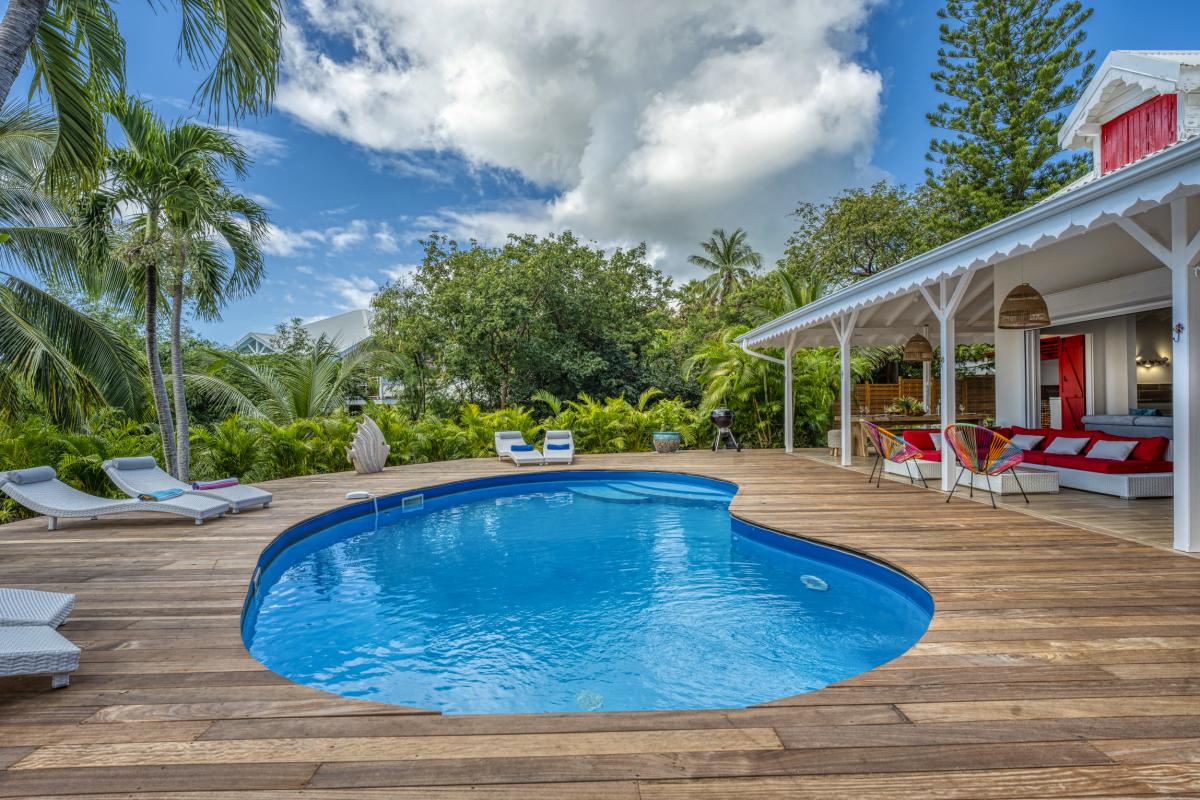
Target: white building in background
{"x": 343, "y": 330}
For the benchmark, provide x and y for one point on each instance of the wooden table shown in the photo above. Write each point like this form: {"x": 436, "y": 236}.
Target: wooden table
{"x": 897, "y": 423}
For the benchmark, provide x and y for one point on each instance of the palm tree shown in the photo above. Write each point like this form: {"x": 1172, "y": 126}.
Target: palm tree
{"x": 157, "y": 191}
{"x": 214, "y": 258}
{"x": 729, "y": 258}
{"x": 67, "y": 362}
{"x": 78, "y": 56}
{"x": 794, "y": 292}
{"x": 288, "y": 387}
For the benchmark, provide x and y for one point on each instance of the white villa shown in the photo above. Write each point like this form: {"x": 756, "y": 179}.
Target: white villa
{"x": 343, "y": 330}
{"x": 1114, "y": 255}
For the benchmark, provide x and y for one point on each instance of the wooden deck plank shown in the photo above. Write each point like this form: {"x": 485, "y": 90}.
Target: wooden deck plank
{"x": 1060, "y": 663}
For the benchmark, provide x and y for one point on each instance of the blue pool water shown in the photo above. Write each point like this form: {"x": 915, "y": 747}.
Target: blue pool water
{"x": 570, "y": 592}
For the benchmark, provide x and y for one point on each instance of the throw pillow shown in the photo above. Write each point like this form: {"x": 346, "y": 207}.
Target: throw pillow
{"x": 936, "y": 437}
{"x": 1112, "y": 450}
{"x": 1067, "y": 447}
{"x": 1026, "y": 441}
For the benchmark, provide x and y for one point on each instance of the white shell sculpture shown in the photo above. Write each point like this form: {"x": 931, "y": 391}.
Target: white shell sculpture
{"x": 368, "y": 451}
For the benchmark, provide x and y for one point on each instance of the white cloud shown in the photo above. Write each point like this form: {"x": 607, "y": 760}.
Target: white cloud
{"x": 262, "y": 147}
{"x": 385, "y": 239}
{"x": 304, "y": 269}
{"x": 346, "y": 236}
{"x": 400, "y": 272}
{"x": 655, "y": 121}
{"x": 355, "y": 291}
{"x": 289, "y": 242}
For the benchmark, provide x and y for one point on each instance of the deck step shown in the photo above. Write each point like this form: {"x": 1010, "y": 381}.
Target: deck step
{"x": 608, "y": 493}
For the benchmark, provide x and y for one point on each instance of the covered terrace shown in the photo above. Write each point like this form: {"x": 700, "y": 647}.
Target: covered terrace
{"x": 1107, "y": 246}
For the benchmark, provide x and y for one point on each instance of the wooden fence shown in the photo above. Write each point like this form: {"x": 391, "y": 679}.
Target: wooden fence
{"x": 977, "y": 394}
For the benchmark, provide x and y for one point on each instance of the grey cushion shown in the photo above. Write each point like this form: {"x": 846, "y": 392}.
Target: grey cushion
{"x": 1154, "y": 422}
{"x": 141, "y": 462}
{"x": 1108, "y": 419}
{"x": 24, "y": 477}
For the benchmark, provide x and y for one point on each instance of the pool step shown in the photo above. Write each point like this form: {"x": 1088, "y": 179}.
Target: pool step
{"x": 608, "y": 493}
{"x": 675, "y": 491}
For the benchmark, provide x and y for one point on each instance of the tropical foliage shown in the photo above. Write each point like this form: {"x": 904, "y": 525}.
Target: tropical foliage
{"x": 100, "y": 240}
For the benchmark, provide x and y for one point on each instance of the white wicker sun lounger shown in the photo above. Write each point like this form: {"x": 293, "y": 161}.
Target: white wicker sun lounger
{"x": 504, "y": 444}
{"x": 30, "y": 607}
{"x": 553, "y": 450}
{"x": 38, "y": 489}
{"x": 37, "y": 650}
{"x": 135, "y": 476}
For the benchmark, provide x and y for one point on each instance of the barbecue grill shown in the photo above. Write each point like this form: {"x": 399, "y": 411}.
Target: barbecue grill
{"x": 722, "y": 420}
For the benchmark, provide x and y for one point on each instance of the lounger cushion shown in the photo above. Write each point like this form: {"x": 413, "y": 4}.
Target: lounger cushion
{"x": 1104, "y": 466}
{"x": 141, "y": 462}
{"x": 25, "y": 477}
{"x": 522, "y": 448}
{"x": 553, "y": 446}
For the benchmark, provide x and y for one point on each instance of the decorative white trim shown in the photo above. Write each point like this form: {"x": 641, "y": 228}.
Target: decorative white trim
{"x": 1172, "y": 174}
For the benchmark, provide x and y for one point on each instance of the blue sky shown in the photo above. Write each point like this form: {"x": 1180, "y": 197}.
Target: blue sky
{"x": 620, "y": 128}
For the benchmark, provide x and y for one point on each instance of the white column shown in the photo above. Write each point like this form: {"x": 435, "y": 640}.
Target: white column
{"x": 843, "y": 327}
{"x": 1185, "y": 380}
{"x": 944, "y": 306}
{"x": 789, "y": 400}
{"x": 949, "y": 398}
{"x": 926, "y": 381}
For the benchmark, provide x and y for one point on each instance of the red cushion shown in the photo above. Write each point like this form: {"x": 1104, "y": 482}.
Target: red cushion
{"x": 1007, "y": 433}
{"x": 1033, "y": 456}
{"x": 1151, "y": 448}
{"x": 1107, "y": 466}
{"x": 919, "y": 439}
{"x": 931, "y": 455}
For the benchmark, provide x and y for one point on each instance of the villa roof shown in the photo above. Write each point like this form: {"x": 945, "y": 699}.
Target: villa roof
{"x": 343, "y": 330}
{"x": 1088, "y": 204}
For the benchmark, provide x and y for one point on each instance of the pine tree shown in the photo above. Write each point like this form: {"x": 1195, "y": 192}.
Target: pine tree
{"x": 1010, "y": 69}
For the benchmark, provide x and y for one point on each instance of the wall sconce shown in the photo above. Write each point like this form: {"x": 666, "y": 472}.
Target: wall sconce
{"x": 1157, "y": 361}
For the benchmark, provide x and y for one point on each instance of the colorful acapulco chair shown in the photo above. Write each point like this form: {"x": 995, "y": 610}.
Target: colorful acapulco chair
{"x": 891, "y": 447}
{"x": 982, "y": 451}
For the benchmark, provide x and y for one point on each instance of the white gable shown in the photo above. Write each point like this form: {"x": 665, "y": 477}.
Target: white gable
{"x": 1125, "y": 80}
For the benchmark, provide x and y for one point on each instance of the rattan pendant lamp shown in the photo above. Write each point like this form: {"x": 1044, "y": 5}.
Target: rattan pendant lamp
{"x": 1023, "y": 308}
{"x": 918, "y": 348}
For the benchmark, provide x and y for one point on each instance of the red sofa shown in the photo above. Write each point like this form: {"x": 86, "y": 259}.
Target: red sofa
{"x": 1146, "y": 473}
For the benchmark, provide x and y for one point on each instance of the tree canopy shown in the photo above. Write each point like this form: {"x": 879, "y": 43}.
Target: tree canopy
{"x": 1009, "y": 71}
{"x": 550, "y": 313}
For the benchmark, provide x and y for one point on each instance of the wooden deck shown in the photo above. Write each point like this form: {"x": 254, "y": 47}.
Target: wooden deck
{"x": 1060, "y": 663}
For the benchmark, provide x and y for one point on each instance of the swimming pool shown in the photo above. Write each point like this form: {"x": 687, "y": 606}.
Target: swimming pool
{"x": 570, "y": 591}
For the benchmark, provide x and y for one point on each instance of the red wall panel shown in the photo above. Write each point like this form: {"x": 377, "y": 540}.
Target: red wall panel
{"x": 1138, "y": 132}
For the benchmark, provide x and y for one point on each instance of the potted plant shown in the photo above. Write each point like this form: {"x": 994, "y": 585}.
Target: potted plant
{"x": 907, "y": 406}
{"x": 666, "y": 441}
